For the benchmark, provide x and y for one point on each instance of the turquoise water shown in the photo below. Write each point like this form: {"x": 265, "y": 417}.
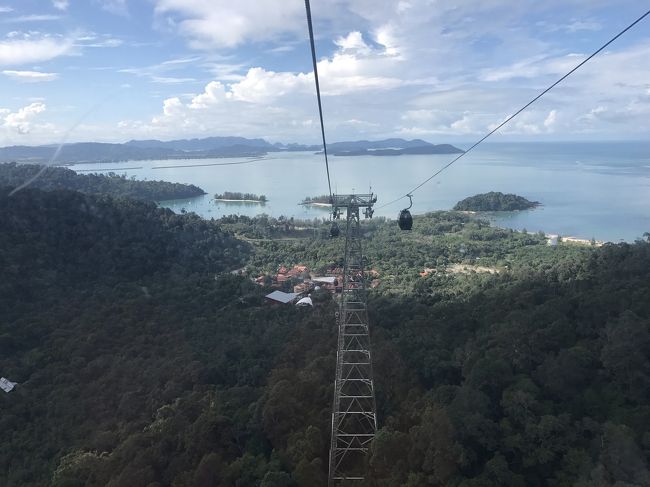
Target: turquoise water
{"x": 598, "y": 190}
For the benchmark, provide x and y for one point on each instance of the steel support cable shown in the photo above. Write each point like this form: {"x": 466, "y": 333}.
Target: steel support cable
{"x": 521, "y": 109}
{"x": 320, "y": 106}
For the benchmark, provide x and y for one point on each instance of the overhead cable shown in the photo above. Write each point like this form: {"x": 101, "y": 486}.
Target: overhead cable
{"x": 320, "y": 106}
{"x": 578, "y": 66}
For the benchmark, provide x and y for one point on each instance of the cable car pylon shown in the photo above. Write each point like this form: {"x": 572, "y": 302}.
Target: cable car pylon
{"x": 354, "y": 412}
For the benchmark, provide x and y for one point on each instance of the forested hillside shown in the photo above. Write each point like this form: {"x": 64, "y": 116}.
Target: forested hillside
{"x": 499, "y": 361}
{"x": 495, "y": 201}
{"x": 12, "y": 174}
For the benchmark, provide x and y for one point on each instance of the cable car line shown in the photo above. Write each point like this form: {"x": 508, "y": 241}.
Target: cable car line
{"x": 320, "y": 107}
{"x": 354, "y": 409}
{"x": 520, "y": 110}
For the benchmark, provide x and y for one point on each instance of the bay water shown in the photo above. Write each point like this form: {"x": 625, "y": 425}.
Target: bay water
{"x": 589, "y": 190}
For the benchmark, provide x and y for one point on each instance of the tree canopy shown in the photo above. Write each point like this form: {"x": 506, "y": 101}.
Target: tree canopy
{"x": 142, "y": 360}
{"x": 495, "y": 201}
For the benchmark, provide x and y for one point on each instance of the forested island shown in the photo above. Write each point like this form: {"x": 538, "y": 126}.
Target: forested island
{"x": 236, "y": 196}
{"x": 142, "y": 360}
{"x": 322, "y": 200}
{"x": 52, "y": 178}
{"x": 495, "y": 201}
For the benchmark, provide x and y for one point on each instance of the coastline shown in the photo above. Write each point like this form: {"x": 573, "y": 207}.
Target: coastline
{"x": 552, "y": 237}
{"x": 322, "y": 205}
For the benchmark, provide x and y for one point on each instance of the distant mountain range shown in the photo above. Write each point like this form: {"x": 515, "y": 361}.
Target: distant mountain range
{"x": 210, "y": 147}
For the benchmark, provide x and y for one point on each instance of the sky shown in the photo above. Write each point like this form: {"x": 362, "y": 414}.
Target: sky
{"x": 443, "y": 71}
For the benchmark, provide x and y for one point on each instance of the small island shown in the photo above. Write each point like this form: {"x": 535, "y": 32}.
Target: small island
{"x": 495, "y": 201}
{"x": 243, "y": 197}
{"x": 322, "y": 200}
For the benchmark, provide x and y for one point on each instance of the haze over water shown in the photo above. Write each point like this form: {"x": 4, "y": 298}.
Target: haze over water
{"x": 599, "y": 190}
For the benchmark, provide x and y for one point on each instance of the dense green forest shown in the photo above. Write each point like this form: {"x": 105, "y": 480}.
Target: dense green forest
{"x": 495, "y": 201}
{"x": 12, "y": 174}
{"x": 230, "y": 195}
{"x": 142, "y": 361}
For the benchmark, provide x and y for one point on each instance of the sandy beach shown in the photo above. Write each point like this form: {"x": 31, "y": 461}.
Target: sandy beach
{"x": 324, "y": 205}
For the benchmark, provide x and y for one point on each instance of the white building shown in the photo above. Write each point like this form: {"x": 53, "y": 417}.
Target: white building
{"x": 6, "y": 385}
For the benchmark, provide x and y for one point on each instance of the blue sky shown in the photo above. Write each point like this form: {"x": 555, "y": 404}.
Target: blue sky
{"x": 113, "y": 70}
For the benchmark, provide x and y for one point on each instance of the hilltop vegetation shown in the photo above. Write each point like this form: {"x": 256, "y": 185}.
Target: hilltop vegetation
{"x": 495, "y": 201}
{"x": 141, "y": 362}
{"x": 53, "y": 178}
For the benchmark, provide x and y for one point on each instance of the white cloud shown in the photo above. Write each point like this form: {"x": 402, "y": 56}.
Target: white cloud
{"x": 575, "y": 25}
{"x": 358, "y": 123}
{"x": 281, "y": 49}
{"x": 438, "y": 122}
{"x": 418, "y": 55}
{"x": 4, "y": 9}
{"x": 158, "y": 73}
{"x": 116, "y": 7}
{"x": 534, "y": 67}
{"x": 550, "y": 120}
{"x": 30, "y": 76}
{"x": 23, "y": 51}
{"x": 403, "y": 6}
{"x": 409, "y": 67}
{"x": 94, "y": 40}
{"x": 61, "y": 4}
{"x": 185, "y": 60}
{"x": 31, "y": 18}
{"x": 225, "y": 71}
{"x": 578, "y": 25}
{"x": 533, "y": 122}
{"x": 171, "y": 80}
{"x": 261, "y": 86}
{"x": 22, "y": 120}
{"x": 224, "y": 23}
{"x": 214, "y": 93}
{"x": 385, "y": 36}
{"x": 353, "y": 42}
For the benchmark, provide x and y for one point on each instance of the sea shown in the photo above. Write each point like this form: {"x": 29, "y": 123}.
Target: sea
{"x": 598, "y": 190}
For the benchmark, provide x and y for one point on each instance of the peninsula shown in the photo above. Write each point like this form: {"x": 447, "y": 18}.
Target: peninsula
{"x": 13, "y": 175}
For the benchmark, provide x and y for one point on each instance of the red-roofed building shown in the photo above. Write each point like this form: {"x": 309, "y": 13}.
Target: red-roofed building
{"x": 297, "y": 271}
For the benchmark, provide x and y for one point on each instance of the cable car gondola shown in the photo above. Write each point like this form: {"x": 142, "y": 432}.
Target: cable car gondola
{"x": 405, "y": 220}
{"x": 334, "y": 230}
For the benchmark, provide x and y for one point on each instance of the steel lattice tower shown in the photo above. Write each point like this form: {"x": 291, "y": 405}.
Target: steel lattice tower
{"x": 354, "y": 417}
